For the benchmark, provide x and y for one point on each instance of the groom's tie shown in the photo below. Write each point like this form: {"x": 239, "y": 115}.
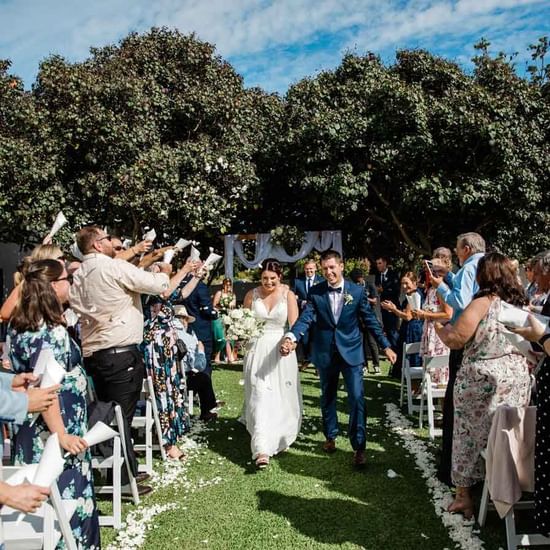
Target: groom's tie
{"x": 333, "y": 289}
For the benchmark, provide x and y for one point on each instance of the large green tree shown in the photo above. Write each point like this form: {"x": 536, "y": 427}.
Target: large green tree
{"x": 405, "y": 157}
{"x": 157, "y": 130}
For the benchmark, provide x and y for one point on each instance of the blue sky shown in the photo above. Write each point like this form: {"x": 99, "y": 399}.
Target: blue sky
{"x": 273, "y": 43}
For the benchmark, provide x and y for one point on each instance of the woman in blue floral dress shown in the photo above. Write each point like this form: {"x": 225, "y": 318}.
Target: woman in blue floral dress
{"x": 38, "y": 323}
{"x": 162, "y": 363}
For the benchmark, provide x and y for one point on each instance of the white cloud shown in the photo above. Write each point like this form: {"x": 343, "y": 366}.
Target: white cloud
{"x": 271, "y": 41}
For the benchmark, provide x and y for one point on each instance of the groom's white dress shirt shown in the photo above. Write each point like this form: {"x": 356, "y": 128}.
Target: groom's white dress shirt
{"x": 336, "y": 300}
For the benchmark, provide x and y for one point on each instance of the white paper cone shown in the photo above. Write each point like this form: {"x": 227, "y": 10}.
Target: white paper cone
{"x": 59, "y": 222}
{"x": 151, "y": 235}
{"x": 181, "y": 244}
{"x": 26, "y": 473}
{"x": 126, "y": 244}
{"x": 99, "y": 433}
{"x": 168, "y": 256}
{"x": 75, "y": 251}
{"x": 54, "y": 373}
{"x": 212, "y": 260}
{"x": 515, "y": 317}
{"x": 50, "y": 467}
{"x": 195, "y": 255}
{"x": 414, "y": 301}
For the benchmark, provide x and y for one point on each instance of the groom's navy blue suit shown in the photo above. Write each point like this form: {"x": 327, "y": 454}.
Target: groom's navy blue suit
{"x": 337, "y": 346}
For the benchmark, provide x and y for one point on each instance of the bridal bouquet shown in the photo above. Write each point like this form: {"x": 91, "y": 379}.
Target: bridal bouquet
{"x": 240, "y": 324}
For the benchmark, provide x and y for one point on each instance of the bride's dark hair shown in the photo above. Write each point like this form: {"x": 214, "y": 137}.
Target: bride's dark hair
{"x": 272, "y": 265}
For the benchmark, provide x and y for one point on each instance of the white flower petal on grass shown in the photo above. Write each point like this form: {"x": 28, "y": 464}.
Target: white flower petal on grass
{"x": 391, "y": 474}
{"x": 460, "y": 531}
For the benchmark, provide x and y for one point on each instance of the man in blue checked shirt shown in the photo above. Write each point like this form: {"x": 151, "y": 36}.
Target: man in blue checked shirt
{"x": 457, "y": 290}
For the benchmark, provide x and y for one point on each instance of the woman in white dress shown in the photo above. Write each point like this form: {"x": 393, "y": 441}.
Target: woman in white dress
{"x": 273, "y": 398}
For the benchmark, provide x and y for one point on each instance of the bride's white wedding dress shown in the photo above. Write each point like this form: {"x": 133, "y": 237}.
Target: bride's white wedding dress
{"x": 273, "y": 399}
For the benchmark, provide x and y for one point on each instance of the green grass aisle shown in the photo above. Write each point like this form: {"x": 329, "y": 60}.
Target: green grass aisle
{"x": 305, "y": 499}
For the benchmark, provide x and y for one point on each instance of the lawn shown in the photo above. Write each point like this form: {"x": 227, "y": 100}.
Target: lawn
{"x": 305, "y": 499}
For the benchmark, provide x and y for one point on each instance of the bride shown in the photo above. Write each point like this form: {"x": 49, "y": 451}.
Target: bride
{"x": 273, "y": 400}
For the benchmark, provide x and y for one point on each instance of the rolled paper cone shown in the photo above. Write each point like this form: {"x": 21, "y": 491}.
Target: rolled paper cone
{"x": 195, "y": 254}
{"x": 99, "y": 433}
{"x": 126, "y": 244}
{"x": 26, "y": 473}
{"x": 151, "y": 235}
{"x": 181, "y": 244}
{"x": 212, "y": 259}
{"x": 52, "y": 373}
{"x": 169, "y": 256}
{"x": 59, "y": 222}
{"x": 75, "y": 251}
{"x": 50, "y": 467}
{"x": 515, "y": 317}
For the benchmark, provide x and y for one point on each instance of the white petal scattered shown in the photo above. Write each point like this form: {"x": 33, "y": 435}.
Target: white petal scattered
{"x": 391, "y": 474}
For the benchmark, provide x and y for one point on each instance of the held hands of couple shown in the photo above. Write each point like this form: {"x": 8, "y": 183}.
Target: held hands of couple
{"x": 287, "y": 347}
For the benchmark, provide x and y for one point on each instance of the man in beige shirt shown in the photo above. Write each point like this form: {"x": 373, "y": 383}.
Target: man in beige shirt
{"x": 106, "y": 294}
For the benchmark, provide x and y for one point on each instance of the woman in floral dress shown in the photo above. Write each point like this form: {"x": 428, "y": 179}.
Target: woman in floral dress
{"x": 37, "y": 323}
{"x": 493, "y": 372}
{"x": 162, "y": 361}
{"x": 435, "y": 309}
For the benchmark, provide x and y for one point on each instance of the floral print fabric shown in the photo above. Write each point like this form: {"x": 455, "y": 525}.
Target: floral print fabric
{"x": 76, "y": 482}
{"x": 160, "y": 354}
{"x": 492, "y": 374}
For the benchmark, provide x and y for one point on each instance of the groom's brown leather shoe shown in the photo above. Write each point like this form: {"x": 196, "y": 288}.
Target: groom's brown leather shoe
{"x": 329, "y": 446}
{"x": 359, "y": 459}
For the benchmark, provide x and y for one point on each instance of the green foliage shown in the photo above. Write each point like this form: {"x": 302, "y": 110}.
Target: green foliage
{"x": 159, "y": 130}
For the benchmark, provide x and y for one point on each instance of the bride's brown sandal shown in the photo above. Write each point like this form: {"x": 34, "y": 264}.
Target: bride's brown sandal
{"x": 262, "y": 462}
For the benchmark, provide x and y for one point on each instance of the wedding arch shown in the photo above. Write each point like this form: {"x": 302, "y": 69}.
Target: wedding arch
{"x": 266, "y": 248}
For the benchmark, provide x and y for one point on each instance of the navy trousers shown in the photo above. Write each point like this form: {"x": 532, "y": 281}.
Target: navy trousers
{"x": 353, "y": 380}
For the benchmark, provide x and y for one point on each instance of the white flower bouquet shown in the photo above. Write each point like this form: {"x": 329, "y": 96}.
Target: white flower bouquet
{"x": 241, "y": 325}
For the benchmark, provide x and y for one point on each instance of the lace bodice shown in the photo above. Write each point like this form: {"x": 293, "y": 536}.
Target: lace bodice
{"x": 275, "y": 320}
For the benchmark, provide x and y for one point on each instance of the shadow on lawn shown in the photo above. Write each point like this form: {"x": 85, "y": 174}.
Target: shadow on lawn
{"x": 318, "y": 519}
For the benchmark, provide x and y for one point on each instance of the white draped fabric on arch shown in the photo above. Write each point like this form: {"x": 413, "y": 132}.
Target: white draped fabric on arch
{"x": 313, "y": 240}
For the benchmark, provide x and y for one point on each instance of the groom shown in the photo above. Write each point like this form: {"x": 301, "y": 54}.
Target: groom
{"x": 332, "y": 318}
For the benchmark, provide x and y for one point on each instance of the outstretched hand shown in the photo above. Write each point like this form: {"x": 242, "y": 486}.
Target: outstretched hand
{"x": 287, "y": 347}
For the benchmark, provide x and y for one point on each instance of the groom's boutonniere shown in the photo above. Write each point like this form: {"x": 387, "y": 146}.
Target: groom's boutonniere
{"x": 348, "y": 298}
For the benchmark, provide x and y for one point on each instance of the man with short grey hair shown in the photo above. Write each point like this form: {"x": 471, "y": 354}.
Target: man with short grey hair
{"x": 457, "y": 290}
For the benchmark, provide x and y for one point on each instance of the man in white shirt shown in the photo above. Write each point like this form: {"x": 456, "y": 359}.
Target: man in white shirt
{"x": 106, "y": 294}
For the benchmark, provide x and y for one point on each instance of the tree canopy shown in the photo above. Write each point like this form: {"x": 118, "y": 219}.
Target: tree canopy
{"x": 159, "y": 130}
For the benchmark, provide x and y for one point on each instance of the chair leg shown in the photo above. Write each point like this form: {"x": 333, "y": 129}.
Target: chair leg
{"x": 62, "y": 519}
{"x": 409, "y": 395}
{"x": 430, "y": 400}
{"x": 483, "y": 505}
{"x": 422, "y": 394}
{"x": 48, "y": 529}
{"x": 156, "y": 417}
{"x": 117, "y": 484}
{"x": 149, "y": 426}
{"x": 511, "y": 539}
{"x": 190, "y": 399}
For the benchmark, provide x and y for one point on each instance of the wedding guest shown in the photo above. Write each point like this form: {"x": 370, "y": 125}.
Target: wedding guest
{"x": 132, "y": 253}
{"x": 457, "y": 291}
{"x": 411, "y": 329}
{"x": 537, "y": 296}
{"x": 388, "y": 287}
{"x": 37, "y": 323}
{"x": 106, "y": 294}
{"x": 40, "y": 252}
{"x": 369, "y": 341}
{"x": 301, "y": 287}
{"x": 194, "y": 361}
{"x": 199, "y": 305}
{"x": 224, "y": 301}
{"x": 493, "y": 372}
{"x": 435, "y": 309}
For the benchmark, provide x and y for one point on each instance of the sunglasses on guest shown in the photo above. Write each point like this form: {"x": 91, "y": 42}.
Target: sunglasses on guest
{"x": 108, "y": 237}
{"x": 69, "y": 278}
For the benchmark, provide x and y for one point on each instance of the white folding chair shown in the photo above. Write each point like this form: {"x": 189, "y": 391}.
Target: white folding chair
{"x": 513, "y": 538}
{"x": 149, "y": 422}
{"x": 115, "y": 462}
{"x": 431, "y": 391}
{"x": 408, "y": 374}
{"x": 42, "y": 529}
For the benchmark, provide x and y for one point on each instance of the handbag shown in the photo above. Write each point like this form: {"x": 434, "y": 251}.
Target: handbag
{"x": 181, "y": 349}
